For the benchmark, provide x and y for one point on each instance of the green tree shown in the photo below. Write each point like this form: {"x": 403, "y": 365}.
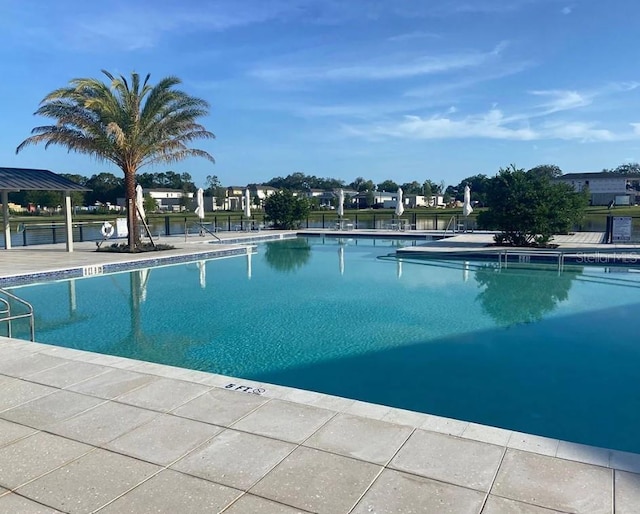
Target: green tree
{"x": 371, "y": 198}
{"x": 628, "y": 168}
{"x": 212, "y": 182}
{"x": 528, "y": 207}
{"x": 427, "y": 189}
{"x": 186, "y": 183}
{"x": 105, "y": 187}
{"x": 548, "y": 170}
{"x": 361, "y": 185}
{"x": 412, "y": 188}
{"x": 215, "y": 189}
{"x": 150, "y": 204}
{"x": 285, "y": 210}
{"x": 130, "y": 124}
{"x": 387, "y": 185}
{"x": 49, "y": 199}
{"x": 478, "y": 185}
{"x": 147, "y": 180}
{"x": 77, "y": 197}
{"x": 299, "y": 181}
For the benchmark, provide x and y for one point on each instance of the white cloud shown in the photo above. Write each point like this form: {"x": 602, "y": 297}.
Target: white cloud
{"x": 567, "y": 10}
{"x": 490, "y": 125}
{"x": 389, "y": 68}
{"x": 437, "y": 89}
{"x": 414, "y": 35}
{"x": 579, "y": 131}
{"x": 561, "y": 100}
{"x": 133, "y": 25}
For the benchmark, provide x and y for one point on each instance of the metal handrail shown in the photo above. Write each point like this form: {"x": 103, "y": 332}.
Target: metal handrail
{"x": 527, "y": 254}
{"x": 7, "y": 317}
{"x": 201, "y": 226}
{"x": 453, "y": 229}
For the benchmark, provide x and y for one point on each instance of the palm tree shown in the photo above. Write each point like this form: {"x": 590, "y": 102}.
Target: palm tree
{"x": 128, "y": 124}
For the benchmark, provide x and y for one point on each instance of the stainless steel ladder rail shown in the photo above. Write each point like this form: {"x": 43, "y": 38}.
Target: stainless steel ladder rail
{"x": 7, "y": 317}
{"x": 453, "y": 228}
{"x": 525, "y": 256}
{"x": 201, "y": 227}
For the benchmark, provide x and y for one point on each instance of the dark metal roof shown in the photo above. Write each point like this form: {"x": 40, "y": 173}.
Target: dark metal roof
{"x": 598, "y": 174}
{"x": 16, "y": 179}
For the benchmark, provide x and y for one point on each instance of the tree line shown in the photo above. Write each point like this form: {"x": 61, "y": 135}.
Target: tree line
{"x": 107, "y": 188}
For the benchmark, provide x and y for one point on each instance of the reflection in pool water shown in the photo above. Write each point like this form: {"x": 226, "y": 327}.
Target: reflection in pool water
{"x": 512, "y": 296}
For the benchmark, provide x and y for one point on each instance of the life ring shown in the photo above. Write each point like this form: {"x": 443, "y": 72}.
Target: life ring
{"x": 107, "y": 230}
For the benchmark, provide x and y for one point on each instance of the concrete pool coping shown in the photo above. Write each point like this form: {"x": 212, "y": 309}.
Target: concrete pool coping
{"x": 127, "y": 431}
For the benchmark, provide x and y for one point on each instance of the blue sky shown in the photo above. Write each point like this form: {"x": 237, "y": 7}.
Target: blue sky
{"x": 403, "y": 90}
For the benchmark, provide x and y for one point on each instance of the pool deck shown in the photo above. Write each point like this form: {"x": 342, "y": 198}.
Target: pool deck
{"x": 85, "y": 432}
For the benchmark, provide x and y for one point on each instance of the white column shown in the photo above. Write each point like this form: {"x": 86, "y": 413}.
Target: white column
{"x": 67, "y": 220}
{"x": 5, "y": 217}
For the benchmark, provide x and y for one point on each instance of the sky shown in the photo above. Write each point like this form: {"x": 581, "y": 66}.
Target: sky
{"x": 402, "y": 90}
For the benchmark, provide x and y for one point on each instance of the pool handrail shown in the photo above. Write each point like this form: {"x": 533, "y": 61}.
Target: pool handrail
{"x": 7, "y": 317}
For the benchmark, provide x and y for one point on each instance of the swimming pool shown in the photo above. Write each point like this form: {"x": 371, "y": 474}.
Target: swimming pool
{"x": 524, "y": 348}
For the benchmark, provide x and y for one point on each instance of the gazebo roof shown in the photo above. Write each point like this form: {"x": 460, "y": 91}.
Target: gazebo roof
{"x": 16, "y": 179}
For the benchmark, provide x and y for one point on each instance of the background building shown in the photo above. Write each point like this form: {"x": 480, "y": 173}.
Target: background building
{"x": 605, "y": 187}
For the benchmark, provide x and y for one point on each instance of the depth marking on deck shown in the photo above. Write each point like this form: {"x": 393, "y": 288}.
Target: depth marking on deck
{"x": 246, "y": 389}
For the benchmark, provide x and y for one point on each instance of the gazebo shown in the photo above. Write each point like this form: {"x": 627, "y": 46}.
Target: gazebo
{"x": 17, "y": 179}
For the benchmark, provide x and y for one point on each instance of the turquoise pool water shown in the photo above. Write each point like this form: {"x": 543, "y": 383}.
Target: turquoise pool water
{"x": 527, "y": 349}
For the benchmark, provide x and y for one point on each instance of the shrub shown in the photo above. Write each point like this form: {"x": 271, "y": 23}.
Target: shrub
{"x": 285, "y": 210}
{"x": 529, "y": 208}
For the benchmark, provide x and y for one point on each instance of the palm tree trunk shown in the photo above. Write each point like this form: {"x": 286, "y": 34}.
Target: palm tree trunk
{"x": 130, "y": 200}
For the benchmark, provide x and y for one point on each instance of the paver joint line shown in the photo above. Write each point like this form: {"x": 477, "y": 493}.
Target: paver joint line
{"x": 493, "y": 480}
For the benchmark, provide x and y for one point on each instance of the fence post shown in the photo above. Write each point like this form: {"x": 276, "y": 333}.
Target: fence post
{"x": 167, "y": 226}
{"x": 80, "y": 230}
{"x": 24, "y": 236}
{"x": 229, "y": 223}
{"x": 53, "y": 229}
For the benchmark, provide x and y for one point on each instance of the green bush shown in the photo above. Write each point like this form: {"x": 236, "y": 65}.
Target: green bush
{"x": 529, "y": 208}
{"x": 285, "y": 210}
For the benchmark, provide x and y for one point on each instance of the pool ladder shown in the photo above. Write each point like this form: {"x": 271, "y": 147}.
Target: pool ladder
{"x": 524, "y": 257}
{"x": 452, "y": 223}
{"x": 7, "y": 317}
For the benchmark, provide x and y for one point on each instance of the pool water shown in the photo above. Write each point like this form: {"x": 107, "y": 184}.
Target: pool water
{"x": 523, "y": 348}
